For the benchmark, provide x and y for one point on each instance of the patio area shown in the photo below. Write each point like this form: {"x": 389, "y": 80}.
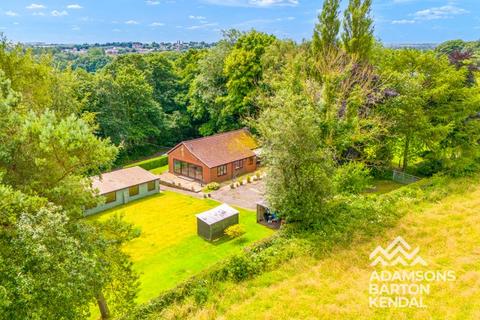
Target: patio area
{"x": 180, "y": 182}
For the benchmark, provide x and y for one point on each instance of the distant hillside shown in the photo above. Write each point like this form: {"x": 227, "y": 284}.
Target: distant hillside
{"x": 418, "y": 46}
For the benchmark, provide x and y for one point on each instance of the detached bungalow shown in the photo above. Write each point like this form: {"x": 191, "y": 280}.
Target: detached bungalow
{"x": 122, "y": 186}
{"x": 215, "y": 158}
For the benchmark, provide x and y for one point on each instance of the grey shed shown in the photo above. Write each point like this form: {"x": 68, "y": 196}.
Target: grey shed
{"x": 212, "y": 223}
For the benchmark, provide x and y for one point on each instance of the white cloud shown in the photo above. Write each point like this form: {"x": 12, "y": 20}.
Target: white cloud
{"x": 35, "y": 6}
{"x": 255, "y": 3}
{"x": 75, "y": 28}
{"x": 270, "y": 3}
{"x": 38, "y": 13}
{"x": 11, "y": 13}
{"x": 56, "y": 13}
{"x": 157, "y": 24}
{"x": 74, "y": 6}
{"x": 444, "y": 12}
{"x": 197, "y": 17}
{"x": 131, "y": 22}
{"x": 152, "y": 2}
{"x": 202, "y": 26}
{"x": 403, "y": 21}
{"x": 260, "y": 23}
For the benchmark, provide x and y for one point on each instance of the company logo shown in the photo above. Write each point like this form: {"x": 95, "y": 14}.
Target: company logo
{"x": 400, "y": 285}
{"x": 399, "y": 252}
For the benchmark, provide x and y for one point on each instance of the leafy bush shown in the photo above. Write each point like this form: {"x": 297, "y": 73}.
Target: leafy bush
{"x": 352, "y": 178}
{"x": 200, "y": 293}
{"x": 212, "y": 186}
{"x": 235, "y": 231}
{"x": 151, "y": 163}
{"x": 249, "y": 179}
{"x": 428, "y": 168}
{"x": 240, "y": 267}
{"x": 464, "y": 167}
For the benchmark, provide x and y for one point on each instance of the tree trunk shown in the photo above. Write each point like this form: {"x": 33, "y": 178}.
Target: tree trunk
{"x": 405, "y": 153}
{"x": 102, "y": 305}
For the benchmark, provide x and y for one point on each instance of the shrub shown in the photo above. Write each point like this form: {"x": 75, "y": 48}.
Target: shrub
{"x": 200, "y": 293}
{"x": 235, "y": 231}
{"x": 241, "y": 267}
{"x": 151, "y": 163}
{"x": 232, "y": 185}
{"x": 249, "y": 179}
{"x": 212, "y": 186}
{"x": 257, "y": 174}
{"x": 352, "y": 178}
{"x": 428, "y": 168}
{"x": 464, "y": 167}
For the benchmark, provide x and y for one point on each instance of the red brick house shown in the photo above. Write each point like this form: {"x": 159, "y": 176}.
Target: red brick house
{"x": 216, "y": 158}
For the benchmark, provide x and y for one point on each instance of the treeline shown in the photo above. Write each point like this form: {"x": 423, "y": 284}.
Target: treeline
{"x": 342, "y": 109}
{"x": 54, "y": 264}
{"x": 144, "y": 102}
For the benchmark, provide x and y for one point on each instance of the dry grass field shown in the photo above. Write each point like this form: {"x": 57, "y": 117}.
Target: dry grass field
{"x": 336, "y": 287}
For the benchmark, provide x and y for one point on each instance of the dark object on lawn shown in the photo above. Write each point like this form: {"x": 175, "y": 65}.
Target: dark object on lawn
{"x": 211, "y": 224}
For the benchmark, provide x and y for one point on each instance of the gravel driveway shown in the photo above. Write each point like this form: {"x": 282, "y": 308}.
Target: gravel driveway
{"x": 245, "y": 196}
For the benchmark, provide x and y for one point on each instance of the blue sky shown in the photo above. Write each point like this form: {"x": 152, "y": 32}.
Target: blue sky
{"x": 78, "y": 21}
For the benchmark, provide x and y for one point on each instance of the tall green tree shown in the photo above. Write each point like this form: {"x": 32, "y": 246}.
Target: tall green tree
{"x": 244, "y": 71}
{"x": 357, "y": 36}
{"x": 300, "y": 165}
{"x": 127, "y": 111}
{"x": 41, "y": 86}
{"x": 208, "y": 88}
{"x": 325, "y": 34}
{"x": 431, "y": 106}
{"x": 54, "y": 263}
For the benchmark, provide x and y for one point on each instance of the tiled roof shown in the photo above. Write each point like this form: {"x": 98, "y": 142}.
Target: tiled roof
{"x": 222, "y": 148}
{"x": 122, "y": 179}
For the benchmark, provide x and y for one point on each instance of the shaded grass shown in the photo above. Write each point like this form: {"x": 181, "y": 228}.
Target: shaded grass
{"x": 168, "y": 250}
{"x": 335, "y": 286}
{"x": 160, "y": 170}
{"x": 384, "y": 186}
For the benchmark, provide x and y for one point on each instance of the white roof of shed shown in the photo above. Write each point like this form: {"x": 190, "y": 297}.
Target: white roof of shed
{"x": 217, "y": 214}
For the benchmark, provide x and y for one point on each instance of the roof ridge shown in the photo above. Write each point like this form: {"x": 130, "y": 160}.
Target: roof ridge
{"x": 217, "y": 134}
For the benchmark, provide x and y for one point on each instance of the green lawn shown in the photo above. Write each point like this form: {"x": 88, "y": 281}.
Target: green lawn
{"x": 160, "y": 170}
{"x": 169, "y": 250}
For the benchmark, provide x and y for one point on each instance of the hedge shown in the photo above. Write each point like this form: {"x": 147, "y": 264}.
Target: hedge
{"x": 151, "y": 163}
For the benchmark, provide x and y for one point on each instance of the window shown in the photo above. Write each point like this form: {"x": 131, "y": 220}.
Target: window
{"x": 110, "y": 197}
{"x": 250, "y": 160}
{"x": 133, "y": 191}
{"x": 199, "y": 173}
{"x": 151, "y": 186}
{"x": 188, "y": 170}
{"x": 238, "y": 164}
{"x": 177, "y": 166}
{"x": 222, "y": 170}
